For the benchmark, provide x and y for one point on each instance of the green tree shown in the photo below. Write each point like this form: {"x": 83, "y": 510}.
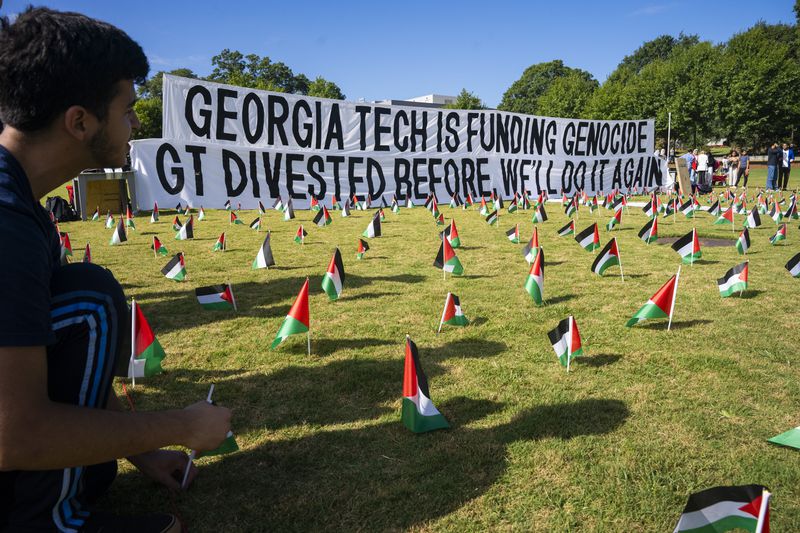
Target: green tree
{"x": 466, "y": 100}
{"x": 659, "y": 48}
{"x": 149, "y": 105}
{"x": 256, "y": 72}
{"x": 523, "y": 95}
{"x": 567, "y": 96}
{"x": 324, "y": 89}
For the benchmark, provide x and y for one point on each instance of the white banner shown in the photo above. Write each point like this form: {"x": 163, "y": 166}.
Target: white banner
{"x": 223, "y": 142}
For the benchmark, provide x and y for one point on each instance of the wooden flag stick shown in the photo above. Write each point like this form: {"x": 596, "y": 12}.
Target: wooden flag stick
{"x": 443, "y": 312}
{"x": 619, "y": 256}
{"x": 674, "y": 295}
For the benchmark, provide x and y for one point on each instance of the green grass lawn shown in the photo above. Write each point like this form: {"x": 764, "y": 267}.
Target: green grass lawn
{"x": 645, "y": 418}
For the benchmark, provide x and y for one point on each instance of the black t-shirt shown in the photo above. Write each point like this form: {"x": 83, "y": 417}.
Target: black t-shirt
{"x": 774, "y": 157}
{"x": 30, "y": 251}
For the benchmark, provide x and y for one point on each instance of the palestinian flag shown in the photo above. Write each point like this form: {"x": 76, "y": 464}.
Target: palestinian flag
{"x": 409, "y": 203}
{"x": 363, "y": 246}
{"x": 119, "y": 234}
{"x": 571, "y": 208}
{"x": 395, "y": 206}
{"x": 129, "y": 217}
{"x": 314, "y": 204}
{"x": 618, "y": 204}
{"x": 261, "y": 209}
{"x": 532, "y": 248}
{"x": 264, "y": 258}
{"x": 534, "y": 283}
{"x": 791, "y": 211}
{"x": 96, "y": 215}
{"x": 715, "y": 210}
{"x": 188, "y": 211}
{"x": 650, "y": 210}
{"x": 288, "y": 210}
{"x": 297, "y": 321}
{"x": 514, "y": 204}
{"x": 434, "y": 207}
{"x": 774, "y": 213}
{"x": 468, "y": 201}
{"x": 176, "y": 223}
{"x": 593, "y": 204}
{"x": 176, "y": 268}
{"x": 492, "y": 218}
{"x": 66, "y": 244}
{"x": 539, "y": 214}
{"x": 513, "y": 234}
{"x": 447, "y": 260}
{"x": 323, "y": 218}
{"x": 178, "y": 207}
{"x": 726, "y": 508}
{"x": 762, "y": 206}
{"x": 256, "y": 224}
{"x": 687, "y": 208}
{"x": 734, "y": 280}
{"x": 452, "y": 314}
{"x": 439, "y": 220}
{"x": 158, "y": 248}
{"x": 335, "y": 206}
{"x": 779, "y": 236}
{"x": 793, "y": 266}
{"x": 566, "y": 341}
{"x": 452, "y": 235}
{"x": 374, "y": 228}
{"x": 234, "y": 219}
{"x": 497, "y": 204}
{"x": 589, "y": 239}
{"x": 227, "y": 205}
{"x": 217, "y": 297}
{"x": 569, "y": 229}
{"x": 615, "y": 221}
{"x": 87, "y": 254}
{"x": 201, "y": 215}
{"x": 187, "y": 231}
{"x": 753, "y": 220}
{"x": 484, "y": 208}
{"x": 333, "y": 280}
{"x": 660, "y": 305}
{"x": 743, "y": 242}
{"x": 688, "y": 247}
{"x": 726, "y": 217}
{"x": 455, "y": 201}
{"x": 229, "y": 445}
{"x": 277, "y": 206}
{"x": 789, "y": 438}
{"x": 146, "y": 352}
{"x": 671, "y": 207}
{"x": 109, "y": 220}
{"x": 649, "y": 233}
{"x": 607, "y": 257}
{"x": 418, "y": 413}
{"x": 346, "y": 209}
{"x": 300, "y": 238}
{"x": 366, "y": 204}
{"x": 220, "y": 244}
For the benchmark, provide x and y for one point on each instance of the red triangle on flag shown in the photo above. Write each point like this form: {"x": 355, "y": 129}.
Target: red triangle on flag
{"x": 299, "y": 310}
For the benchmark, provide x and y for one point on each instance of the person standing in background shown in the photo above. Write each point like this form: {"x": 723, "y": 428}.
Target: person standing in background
{"x": 744, "y": 169}
{"x": 733, "y": 167}
{"x": 702, "y": 168}
{"x": 785, "y": 167}
{"x": 774, "y": 161}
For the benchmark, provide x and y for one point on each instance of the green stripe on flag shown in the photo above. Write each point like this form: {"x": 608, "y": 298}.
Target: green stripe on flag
{"x": 290, "y": 326}
{"x": 648, "y": 310}
{"x": 152, "y": 355}
{"x": 418, "y": 423}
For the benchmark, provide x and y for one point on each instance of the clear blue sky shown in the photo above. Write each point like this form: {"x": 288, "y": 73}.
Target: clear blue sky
{"x": 379, "y": 50}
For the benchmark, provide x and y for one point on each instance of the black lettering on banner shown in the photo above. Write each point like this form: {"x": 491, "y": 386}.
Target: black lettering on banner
{"x": 594, "y": 176}
{"x": 508, "y": 171}
{"x": 421, "y": 131}
{"x": 614, "y": 144}
{"x": 380, "y": 130}
{"x": 616, "y": 178}
{"x": 580, "y": 138}
{"x": 223, "y": 113}
{"x": 373, "y": 167}
{"x": 418, "y": 178}
{"x": 203, "y": 129}
{"x": 487, "y": 145}
{"x": 550, "y": 135}
{"x": 402, "y": 170}
{"x": 335, "y": 129}
{"x": 523, "y": 176}
{"x": 538, "y": 165}
{"x": 502, "y": 133}
{"x": 362, "y": 111}
{"x": 568, "y": 141}
{"x": 516, "y": 134}
{"x": 318, "y": 122}
{"x": 277, "y": 114}
{"x": 580, "y": 173}
{"x": 468, "y": 177}
{"x": 471, "y": 131}
{"x": 197, "y": 164}
{"x": 566, "y": 176}
{"x": 451, "y": 142}
{"x": 337, "y": 185}
{"x": 351, "y": 174}
{"x": 451, "y": 176}
{"x": 483, "y": 175}
{"x": 176, "y": 171}
{"x": 303, "y": 141}
{"x": 438, "y": 131}
{"x": 630, "y": 145}
{"x": 656, "y": 173}
{"x": 603, "y": 163}
{"x": 272, "y": 173}
{"x": 254, "y": 174}
{"x": 227, "y": 157}
{"x": 400, "y": 116}
{"x": 433, "y": 179}
{"x": 314, "y": 162}
{"x": 550, "y": 189}
{"x": 251, "y": 99}
{"x": 638, "y": 173}
{"x": 642, "y": 136}
{"x": 292, "y": 176}
{"x": 537, "y": 136}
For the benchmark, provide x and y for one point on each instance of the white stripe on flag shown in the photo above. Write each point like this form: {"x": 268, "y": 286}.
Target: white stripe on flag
{"x": 712, "y": 514}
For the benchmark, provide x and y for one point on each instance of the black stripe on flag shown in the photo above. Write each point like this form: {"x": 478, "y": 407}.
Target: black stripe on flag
{"x": 585, "y": 233}
{"x": 706, "y": 498}
{"x": 559, "y": 332}
{"x": 683, "y": 241}
{"x": 337, "y": 260}
{"x": 376, "y": 223}
{"x": 211, "y": 289}
{"x": 565, "y": 229}
{"x": 512, "y": 232}
{"x": 735, "y": 271}
{"x": 542, "y": 212}
{"x": 685, "y": 206}
{"x": 793, "y": 262}
{"x": 318, "y": 219}
{"x": 364, "y": 245}
{"x": 491, "y": 217}
{"x": 176, "y": 260}
{"x": 267, "y": 248}
{"x": 601, "y": 256}
{"x": 646, "y": 229}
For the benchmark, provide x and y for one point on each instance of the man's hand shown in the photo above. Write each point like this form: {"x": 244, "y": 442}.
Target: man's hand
{"x": 164, "y": 466}
{"x": 208, "y": 426}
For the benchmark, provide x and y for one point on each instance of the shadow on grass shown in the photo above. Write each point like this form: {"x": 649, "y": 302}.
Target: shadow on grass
{"x": 559, "y": 299}
{"x": 750, "y": 293}
{"x": 676, "y": 324}
{"x": 603, "y": 359}
{"x": 386, "y": 477}
{"x": 322, "y": 347}
{"x": 478, "y": 321}
{"x": 636, "y": 276}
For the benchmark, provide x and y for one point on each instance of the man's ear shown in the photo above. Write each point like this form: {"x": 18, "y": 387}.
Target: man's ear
{"x": 80, "y": 123}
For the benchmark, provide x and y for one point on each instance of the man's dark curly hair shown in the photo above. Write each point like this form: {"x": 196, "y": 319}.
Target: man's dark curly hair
{"x": 51, "y": 60}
